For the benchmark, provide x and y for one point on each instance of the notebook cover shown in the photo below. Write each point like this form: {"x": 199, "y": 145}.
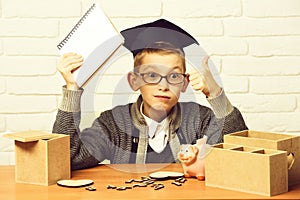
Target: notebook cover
{"x": 95, "y": 38}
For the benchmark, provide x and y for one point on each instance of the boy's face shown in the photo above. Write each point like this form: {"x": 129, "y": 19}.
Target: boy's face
{"x": 162, "y": 96}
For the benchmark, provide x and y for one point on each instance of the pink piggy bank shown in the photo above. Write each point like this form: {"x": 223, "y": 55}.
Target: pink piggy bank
{"x": 192, "y": 162}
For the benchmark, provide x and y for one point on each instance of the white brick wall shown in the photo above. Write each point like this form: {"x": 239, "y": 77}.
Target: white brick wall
{"x": 196, "y": 9}
{"x": 255, "y": 45}
{"x": 271, "y": 8}
{"x": 40, "y": 9}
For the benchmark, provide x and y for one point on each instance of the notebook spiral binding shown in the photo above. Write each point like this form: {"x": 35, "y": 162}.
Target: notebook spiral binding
{"x": 65, "y": 40}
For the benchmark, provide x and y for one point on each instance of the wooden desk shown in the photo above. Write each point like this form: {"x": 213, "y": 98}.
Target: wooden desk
{"x": 107, "y": 174}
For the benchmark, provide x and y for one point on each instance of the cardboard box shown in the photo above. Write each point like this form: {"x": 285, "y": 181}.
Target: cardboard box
{"x": 247, "y": 169}
{"x": 284, "y": 142}
{"x": 41, "y": 158}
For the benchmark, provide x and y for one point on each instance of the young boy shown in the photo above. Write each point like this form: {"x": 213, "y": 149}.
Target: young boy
{"x": 152, "y": 129}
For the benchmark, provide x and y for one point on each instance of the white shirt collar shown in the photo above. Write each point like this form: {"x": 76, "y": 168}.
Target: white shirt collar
{"x": 158, "y": 132}
{"x": 149, "y": 120}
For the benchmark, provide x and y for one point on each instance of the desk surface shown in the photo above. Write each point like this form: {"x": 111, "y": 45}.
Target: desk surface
{"x": 107, "y": 174}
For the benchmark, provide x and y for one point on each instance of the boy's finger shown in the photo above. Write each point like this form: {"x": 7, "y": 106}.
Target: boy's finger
{"x": 70, "y": 54}
{"x": 195, "y": 75}
{"x": 198, "y": 87}
{"x": 193, "y": 72}
{"x": 72, "y": 57}
{"x": 205, "y": 61}
{"x": 74, "y": 66}
{"x": 192, "y": 77}
{"x": 74, "y": 61}
{"x": 70, "y": 60}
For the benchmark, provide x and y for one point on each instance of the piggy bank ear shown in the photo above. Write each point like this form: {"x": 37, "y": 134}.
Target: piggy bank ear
{"x": 194, "y": 149}
{"x": 204, "y": 151}
{"x": 202, "y": 140}
{"x": 204, "y": 148}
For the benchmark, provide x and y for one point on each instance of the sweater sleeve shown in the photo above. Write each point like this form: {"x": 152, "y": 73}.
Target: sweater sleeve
{"x": 221, "y": 105}
{"x": 67, "y": 122}
{"x": 70, "y": 100}
{"x": 222, "y": 119}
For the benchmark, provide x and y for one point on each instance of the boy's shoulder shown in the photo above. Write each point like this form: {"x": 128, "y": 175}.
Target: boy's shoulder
{"x": 193, "y": 105}
{"x": 188, "y": 109}
{"x": 193, "y": 108}
{"x": 117, "y": 112}
{"x": 121, "y": 109}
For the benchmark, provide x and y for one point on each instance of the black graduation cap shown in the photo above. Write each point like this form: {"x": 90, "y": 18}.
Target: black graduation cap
{"x": 140, "y": 37}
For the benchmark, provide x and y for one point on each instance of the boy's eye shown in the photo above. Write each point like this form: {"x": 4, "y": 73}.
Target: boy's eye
{"x": 174, "y": 75}
{"x": 152, "y": 75}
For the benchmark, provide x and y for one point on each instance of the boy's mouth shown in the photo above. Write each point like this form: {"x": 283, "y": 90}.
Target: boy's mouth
{"x": 162, "y": 97}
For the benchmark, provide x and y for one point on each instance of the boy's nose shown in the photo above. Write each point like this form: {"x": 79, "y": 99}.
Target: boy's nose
{"x": 163, "y": 84}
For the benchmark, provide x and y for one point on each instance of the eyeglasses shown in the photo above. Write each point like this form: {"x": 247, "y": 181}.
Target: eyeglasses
{"x": 155, "y": 78}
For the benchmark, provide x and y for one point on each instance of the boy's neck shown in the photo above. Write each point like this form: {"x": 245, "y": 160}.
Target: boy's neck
{"x": 156, "y": 115}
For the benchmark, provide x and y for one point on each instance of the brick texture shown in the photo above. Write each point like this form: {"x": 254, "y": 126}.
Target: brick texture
{"x": 29, "y": 28}
{"x": 262, "y": 27}
{"x": 41, "y": 121}
{"x": 41, "y": 9}
{"x": 271, "y": 8}
{"x": 254, "y": 46}
{"x": 253, "y": 66}
{"x": 224, "y": 46}
{"x": 275, "y": 46}
{"x": 275, "y": 85}
{"x": 27, "y": 85}
{"x": 194, "y": 8}
{"x": 30, "y": 46}
{"x": 2, "y": 124}
{"x": 132, "y": 8}
{"x": 251, "y": 103}
{"x": 1, "y": 47}
{"x": 2, "y": 85}
{"x": 27, "y": 65}
{"x": 27, "y": 104}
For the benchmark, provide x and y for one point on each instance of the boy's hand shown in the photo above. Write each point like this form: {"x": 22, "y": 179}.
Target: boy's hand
{"x": 205, "y": 81}
{"x": 67, "y": 65}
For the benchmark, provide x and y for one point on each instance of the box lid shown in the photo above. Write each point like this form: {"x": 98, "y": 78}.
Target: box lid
{"x": 29, "y": 136}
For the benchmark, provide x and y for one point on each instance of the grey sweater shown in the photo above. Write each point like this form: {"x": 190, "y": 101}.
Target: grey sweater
{"x": 121, "y": 134}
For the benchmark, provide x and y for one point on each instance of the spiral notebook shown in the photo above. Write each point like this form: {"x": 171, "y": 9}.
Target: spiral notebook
{"x": 95, "y": 38}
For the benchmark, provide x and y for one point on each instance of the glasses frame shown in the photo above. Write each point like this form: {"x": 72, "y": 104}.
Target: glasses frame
{"x": 161, "y": 77}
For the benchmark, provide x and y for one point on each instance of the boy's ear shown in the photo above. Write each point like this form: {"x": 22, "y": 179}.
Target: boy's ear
{"x": 132, "y": 80}
{"x": 185, "y": 83}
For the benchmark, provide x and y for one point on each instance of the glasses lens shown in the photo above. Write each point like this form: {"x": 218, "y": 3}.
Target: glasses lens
{"x": 151, "y": 77}
{"x": 175, "y": 78}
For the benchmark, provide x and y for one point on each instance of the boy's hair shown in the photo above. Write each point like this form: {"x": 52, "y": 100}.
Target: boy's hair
{"x": 161, "y": 48}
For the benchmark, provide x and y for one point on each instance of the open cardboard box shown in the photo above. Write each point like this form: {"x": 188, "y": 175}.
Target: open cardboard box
{"x": 41, "y": 158}
{"x": 255, "y": 162}
{"x": 284, "y": 142}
